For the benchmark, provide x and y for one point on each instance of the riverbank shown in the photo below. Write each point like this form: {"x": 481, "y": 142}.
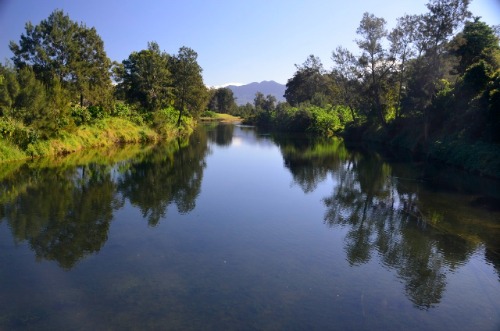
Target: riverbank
{"x": 209, "y": 116}
{"x": 102, "y": 133}
{"x": 476, "y": 157}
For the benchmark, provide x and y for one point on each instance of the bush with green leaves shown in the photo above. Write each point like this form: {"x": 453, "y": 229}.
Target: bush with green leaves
{"x": 321, "y": 121}
{"x": 17, "y": 133}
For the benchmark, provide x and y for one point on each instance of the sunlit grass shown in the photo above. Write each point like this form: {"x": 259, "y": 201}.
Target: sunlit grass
{"x": 218, "y": 117}
{"x": 103, "y": 133}
{"x": 9, "y": 151}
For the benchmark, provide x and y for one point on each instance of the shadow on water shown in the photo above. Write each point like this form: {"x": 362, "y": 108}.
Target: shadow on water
{"x": 417, "y": 220}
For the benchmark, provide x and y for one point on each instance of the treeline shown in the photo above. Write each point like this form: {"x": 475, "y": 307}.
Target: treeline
{"x": 61, "y": 79}
{"x": 416, "y": 85}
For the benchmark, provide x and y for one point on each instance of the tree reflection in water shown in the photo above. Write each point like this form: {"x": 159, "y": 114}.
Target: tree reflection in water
{"x": 380, "y": 207}
{"x": 221, "y": 134}
{"x": 170, "y": 174}
{"x": 64, "y": 212}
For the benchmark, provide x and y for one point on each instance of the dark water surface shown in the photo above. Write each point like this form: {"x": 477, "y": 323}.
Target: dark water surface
{"x": 235, "y": 230}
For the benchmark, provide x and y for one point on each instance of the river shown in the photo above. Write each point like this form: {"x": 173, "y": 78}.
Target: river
{"x": 233, "y": 229}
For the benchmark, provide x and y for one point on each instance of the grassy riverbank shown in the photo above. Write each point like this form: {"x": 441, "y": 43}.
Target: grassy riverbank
{"x": 19, "y": 142}
{"x": 210, "y": 116}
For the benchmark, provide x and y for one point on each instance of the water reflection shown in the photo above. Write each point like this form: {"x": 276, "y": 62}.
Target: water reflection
{"x": 64, "y": 212}
{"x": 221, "y": 134}
{"x": 382, "y": 209}
{"x": 170, "y": 174}
{"x": 64, "y": 209}
{"x": 300, "y": 154}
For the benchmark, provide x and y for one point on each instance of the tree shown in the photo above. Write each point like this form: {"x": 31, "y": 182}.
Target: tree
{"x": 264, "y": 103}
{"x": 434, "y": 29}
{"x": 259, "y": 101}
{"x": 476, "y": 42}
{"x": 146, "y": 79}
{"x": 270, "y": 103}
{"x": 345, "y": 74}
{"x": 191, "y": 94}
{"x": 222, "y": 101}
{"x": 59, "y": 47}
{"x": 402, "y": 39}
{"x": 374, "y": 59}
{"x": 93, "y": 69}
{"x": 30, "y": 102}
{"x": 9, "y": 89}
{"x": 443, "y": 18}
{"x": 308, "y": 82}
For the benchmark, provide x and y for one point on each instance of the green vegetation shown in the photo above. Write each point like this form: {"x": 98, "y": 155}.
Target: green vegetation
{"x": 210, "y": 116}
{"x": 422, "y": 86}
{"x": 432, "y": 91}
{"x": 58, "y": 97}
{"x": 70, "y": 201}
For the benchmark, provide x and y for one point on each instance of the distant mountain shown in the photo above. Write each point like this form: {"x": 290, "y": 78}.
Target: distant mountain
{"x": 246, "y": 93}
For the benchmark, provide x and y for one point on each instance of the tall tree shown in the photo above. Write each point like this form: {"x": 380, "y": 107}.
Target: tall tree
{"x": 191, "y": 94}
{"x": 270, "y": 103}
{"x": 146, "y": 79}
{"x": 346, "y": 75}
{"x": 9, "y": 89}
{"x": 443, "y": 18}
{"x": 264, "y": 103}
{"x": 259, "y": 101}
{"x": 476, "y": 42}
{"x": 434, "y": 30}
{"x": 403, "y": 48}
{"x": 30, "y": 102}
{"x": 308, "y": 82}
{"x": 374, "y": 59}
{"x": 71, "y": 52}
{"x": 222, "y": 101}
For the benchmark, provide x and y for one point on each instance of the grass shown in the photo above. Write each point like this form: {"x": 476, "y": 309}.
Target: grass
{"x": 104, "y": 133}
{"x": 218, "y": 117}
{"x": 9, "y": 151}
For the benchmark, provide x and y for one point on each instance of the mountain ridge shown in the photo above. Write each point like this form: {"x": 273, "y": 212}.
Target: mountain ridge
{"x": 246, "y": 93}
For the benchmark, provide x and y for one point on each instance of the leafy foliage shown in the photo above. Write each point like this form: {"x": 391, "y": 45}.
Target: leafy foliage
{"x": 146, "y": 78}
{"x": 191, "y": 95}
{"x": 59, "y": 48}
{"x": 60, "y": 81}
{"x": 222, "y": 101}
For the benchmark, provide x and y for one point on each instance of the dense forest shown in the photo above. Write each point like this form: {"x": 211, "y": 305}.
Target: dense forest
{"x": 430, "y": 85}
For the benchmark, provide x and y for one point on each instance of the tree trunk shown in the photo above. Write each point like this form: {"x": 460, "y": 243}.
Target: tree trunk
{"x": 353, "y": 115}
{"x": 179, "y": 118}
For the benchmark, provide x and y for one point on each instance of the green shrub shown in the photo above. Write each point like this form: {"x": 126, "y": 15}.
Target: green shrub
{"x": 121, "y": 110}
{"x": 17, "y": 133}
{"x": 208, "y": 113}
{"x": 81, "y": 115}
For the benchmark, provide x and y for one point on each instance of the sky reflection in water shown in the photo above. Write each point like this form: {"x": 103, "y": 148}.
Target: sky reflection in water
{"x": 235, "y": 229}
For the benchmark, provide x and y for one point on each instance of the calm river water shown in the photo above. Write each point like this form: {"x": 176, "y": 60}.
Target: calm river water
{"x": 237, "y": 230}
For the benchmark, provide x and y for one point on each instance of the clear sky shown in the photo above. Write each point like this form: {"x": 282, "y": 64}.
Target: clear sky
{"x": 237, "y": 41}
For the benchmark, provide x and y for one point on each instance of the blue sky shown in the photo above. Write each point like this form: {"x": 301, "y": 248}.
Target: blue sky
{"x": 236, "y": 41}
